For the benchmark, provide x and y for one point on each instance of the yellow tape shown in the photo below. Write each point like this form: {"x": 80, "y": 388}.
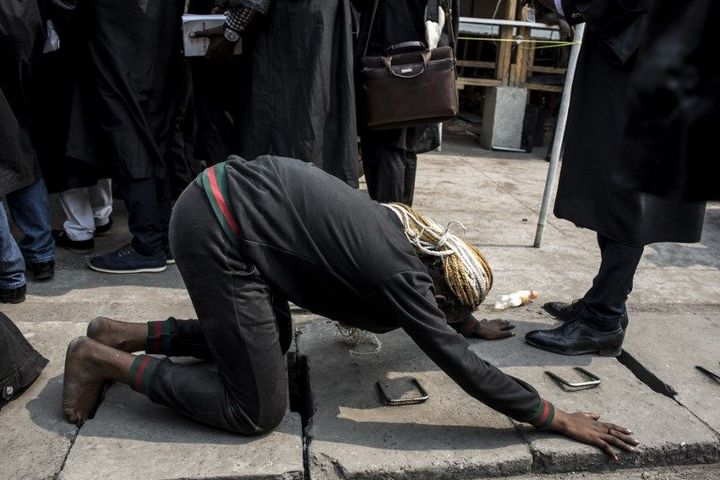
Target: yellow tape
{"x": 548, "y": 43}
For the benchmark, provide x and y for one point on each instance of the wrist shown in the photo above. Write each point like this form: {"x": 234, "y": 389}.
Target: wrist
{"x": 230, "y": 34}
{"x": 544, "y": 416}
{"x": 559, "y": 422}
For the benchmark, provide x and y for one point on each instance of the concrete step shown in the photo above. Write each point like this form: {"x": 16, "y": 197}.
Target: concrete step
{"x": 353, "y": 436}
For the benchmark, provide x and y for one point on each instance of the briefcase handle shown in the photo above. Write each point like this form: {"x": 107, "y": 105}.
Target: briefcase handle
{"x": 425, "y": 54}
{"x": 405, "y": 47}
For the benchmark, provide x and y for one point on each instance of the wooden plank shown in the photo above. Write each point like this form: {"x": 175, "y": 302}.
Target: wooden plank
{"x": 478, "y": 82}
{"x": 541, "y": 69}
{"x": 476, "y": 64}
{"x": 502, "y": 72}
{"x": 542, "y": 87}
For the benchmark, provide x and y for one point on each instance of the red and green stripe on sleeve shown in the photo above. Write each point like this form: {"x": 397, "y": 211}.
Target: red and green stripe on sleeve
{"x": 214, "y": 182}
{"x": 544, "y": 414}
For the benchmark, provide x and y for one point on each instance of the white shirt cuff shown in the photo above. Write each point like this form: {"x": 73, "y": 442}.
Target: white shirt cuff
{"x": 559, "y": 7}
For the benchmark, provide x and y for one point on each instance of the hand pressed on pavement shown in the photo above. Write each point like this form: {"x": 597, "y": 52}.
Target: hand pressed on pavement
{"x": 220, "y": 48}
{"x": 493, "y": 329}
{"x": 585, "y": 428}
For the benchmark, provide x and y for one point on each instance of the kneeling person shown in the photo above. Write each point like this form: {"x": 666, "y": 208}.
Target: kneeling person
{"x": 250, "y": 236}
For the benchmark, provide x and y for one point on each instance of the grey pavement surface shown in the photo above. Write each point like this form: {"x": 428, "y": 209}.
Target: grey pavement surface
{"x": 674, "y": 312}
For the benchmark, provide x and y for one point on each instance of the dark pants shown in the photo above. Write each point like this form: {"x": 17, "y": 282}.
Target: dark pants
{"x": 605, "y": 301}
{"x": 149, "y": 203}
{"x": 389, "y": 171}
{"x": 20, "y": 364}
{"x": 244, "y": 389}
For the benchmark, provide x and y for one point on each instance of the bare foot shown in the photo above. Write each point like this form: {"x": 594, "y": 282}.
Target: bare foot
{"x": 125, "y": 336}
{"x": 83, "y": 382}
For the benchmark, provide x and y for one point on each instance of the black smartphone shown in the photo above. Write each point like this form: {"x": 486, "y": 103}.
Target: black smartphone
{"x": 401, "y": 391}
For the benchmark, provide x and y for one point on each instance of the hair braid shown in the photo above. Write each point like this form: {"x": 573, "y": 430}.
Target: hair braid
{"x": 467, "y": 272}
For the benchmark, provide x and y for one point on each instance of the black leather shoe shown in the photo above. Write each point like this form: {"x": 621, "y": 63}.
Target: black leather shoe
{"x": 567, "y": 311}
{"x": 42, "y": 271}
{"x": 103, "y": 229}
{"x": 12, "y": 295}
{"x": 563, "y": 311}
{"x": 63, "y": 241}
{"x": 577, "y": 338}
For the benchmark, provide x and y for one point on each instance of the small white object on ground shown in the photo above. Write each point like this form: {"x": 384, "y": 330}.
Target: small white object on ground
{"x": 516, "y": 299}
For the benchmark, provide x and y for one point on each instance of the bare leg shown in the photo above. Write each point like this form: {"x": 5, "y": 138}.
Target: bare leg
{"x": 88, "y": 366}
{"x": 126, "y": 336}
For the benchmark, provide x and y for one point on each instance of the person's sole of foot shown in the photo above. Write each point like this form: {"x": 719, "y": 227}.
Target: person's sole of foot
{"x": 83, "y": 383}
{"x": 117, "y": 334}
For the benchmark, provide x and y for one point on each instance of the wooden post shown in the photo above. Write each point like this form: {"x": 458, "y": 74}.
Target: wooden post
{"x": 525, "y": 52}
{"x": 505, "y": 50}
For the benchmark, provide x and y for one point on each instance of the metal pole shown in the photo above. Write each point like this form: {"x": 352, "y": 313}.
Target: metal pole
{"x": 559, "y": 134}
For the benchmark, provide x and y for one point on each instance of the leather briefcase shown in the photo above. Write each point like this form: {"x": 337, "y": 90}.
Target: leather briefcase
{"x": 409, "y": 84}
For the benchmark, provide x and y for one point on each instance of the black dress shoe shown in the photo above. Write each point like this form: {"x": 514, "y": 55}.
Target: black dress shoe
{"x": 63, "y": 241}
{"x": 103, "y": 229}
{"x": 567, "y": 311}
{"x": 563, "y": 311}
{"x": 42, "y": 271}
{"x": 577, "y": 338}
{"x": 12, "y": 295}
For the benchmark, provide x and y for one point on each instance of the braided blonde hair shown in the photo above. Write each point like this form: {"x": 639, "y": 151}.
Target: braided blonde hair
{"x": 466, "y": 271}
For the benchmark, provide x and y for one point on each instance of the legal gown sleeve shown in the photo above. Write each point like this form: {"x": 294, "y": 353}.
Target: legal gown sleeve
{"x": 618, "y": 24}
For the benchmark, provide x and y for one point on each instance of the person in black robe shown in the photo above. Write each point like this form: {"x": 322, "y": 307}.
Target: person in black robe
{"x": 588, "y": 195}
{"x": 21, "y": 184}
{"x": 292, "y": 93}
{"x": 251, "y": 236}
{"x": 389, "y": 157}
{"x": 128, "y": 118}
{"x": 674, "y": 105}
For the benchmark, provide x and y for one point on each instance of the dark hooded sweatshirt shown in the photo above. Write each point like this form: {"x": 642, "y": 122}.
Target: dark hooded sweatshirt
{"x": 330, "y": 249}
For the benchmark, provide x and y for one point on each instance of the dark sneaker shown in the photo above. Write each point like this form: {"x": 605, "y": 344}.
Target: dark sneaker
{"x": 63, "y": 241}
{"x": 169, "y": 259}
{"x": 42, "y": 271}
{"x": 127, "y": 260}
{"x": 12, "y": 295}
{"x": 103, "y": 229}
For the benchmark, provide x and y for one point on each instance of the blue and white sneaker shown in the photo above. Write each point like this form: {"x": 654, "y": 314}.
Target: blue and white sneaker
{"x": 127, "y": 260}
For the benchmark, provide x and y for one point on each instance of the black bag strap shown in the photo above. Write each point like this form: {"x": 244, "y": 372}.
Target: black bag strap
{"x": 433, "y": 7}
{"x": 370, "y": 30}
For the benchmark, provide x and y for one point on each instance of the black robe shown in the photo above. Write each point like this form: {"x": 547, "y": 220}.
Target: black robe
{"x": 587, "y": 193}
{"x": 674, "y": 104}
{"x": 21, "y": 35}
{"x": 295, "y": 94}
{"x": 126, "y": 115}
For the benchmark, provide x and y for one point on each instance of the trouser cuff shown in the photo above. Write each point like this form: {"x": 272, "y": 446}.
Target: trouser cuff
{"x": 142, "y": 372}
{"x": 159, "y": 337}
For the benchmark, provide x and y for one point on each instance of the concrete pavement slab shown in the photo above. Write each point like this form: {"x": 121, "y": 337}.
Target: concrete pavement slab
{"x": 670, "y": 434}
{"x": 353, "y": 436}
{"x": 130, "y": 437}
{"x": 34, "y": 436}
{"x": 670, "y": 346}
{"x": 684, "y": 472}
